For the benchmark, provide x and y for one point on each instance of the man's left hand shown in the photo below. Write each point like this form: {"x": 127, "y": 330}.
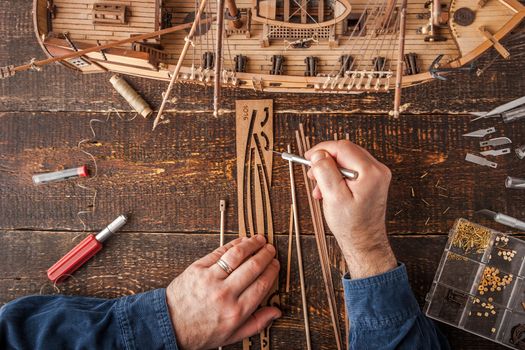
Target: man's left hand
{"x": 211, "y": 308}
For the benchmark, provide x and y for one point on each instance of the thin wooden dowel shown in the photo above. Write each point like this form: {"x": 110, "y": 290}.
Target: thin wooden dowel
{"x": 222, "y": 208}
{"x": 343, "y": 272}
{"x": 218, "y": 58}
{"x": 299, "y": 254}
{"x": 400, "y": 58}
{"x": 289, "y": 259}
{"x": 106, "y": 46}
{"x": 187, "y": 43}
{"x": 315, "y": 211}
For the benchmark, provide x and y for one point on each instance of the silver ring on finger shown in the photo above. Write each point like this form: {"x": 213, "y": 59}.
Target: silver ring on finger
{"x": 224, "y": 266}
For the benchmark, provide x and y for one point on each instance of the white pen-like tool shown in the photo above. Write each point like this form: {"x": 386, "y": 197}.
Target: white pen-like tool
{"x": 349, "y": 174}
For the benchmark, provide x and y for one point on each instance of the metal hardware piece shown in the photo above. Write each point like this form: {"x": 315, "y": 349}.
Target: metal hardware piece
{"x": 498, "y": 111}
{"x": 520, "y": 151}
{"x": 277, "y": 65}
{"x": 514, "y": 182}
{"x": 497, "y": 141}
{"x": 495, "y": 152}
{"x": 435, "y": 71}
{"x": 480, "y": 132}
{"x": 480, "y": 160}
{"x": 503, "y": 219}
{"x": 311, "y": 66}
{"x": 349, "y": 174}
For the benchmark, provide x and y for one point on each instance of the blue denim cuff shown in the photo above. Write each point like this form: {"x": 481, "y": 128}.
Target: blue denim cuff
{"x": 380, "y": 301}
{"x": 145, "y": 322}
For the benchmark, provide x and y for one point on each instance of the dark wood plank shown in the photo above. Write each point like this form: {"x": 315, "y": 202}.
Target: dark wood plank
{"x": 173, "y": 179}
{"x": 57, "y": 88}
{"x": 135, "y": 262}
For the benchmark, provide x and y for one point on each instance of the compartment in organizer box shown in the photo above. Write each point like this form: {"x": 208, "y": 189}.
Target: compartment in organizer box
{"x": 447, "y": 304}
{"x": 479, "y": 284}
{"x": 470, "y": 240}
{"x": 507, "y": 254}
{"x": 459, "y": 272}
{"x": 483, "y": 317}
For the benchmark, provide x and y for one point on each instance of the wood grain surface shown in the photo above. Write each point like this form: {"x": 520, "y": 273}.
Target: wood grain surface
{"x": 171, "y": 180}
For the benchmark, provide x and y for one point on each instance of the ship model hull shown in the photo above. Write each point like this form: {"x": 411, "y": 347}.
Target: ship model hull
{"x": 320, "y": 46}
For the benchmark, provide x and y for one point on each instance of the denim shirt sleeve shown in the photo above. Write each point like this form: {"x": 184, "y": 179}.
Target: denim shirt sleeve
{"x": 139, "y": 321}
{"x": 384, "y": 314}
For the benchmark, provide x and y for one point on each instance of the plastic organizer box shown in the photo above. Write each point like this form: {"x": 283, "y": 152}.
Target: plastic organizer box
{"x": 479, "y": 285}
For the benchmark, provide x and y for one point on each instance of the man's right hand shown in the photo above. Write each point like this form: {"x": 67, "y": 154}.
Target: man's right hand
{"x": 354, "y": 210}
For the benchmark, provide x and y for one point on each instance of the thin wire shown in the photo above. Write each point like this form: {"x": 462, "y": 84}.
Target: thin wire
{"x": 95, "y": 165}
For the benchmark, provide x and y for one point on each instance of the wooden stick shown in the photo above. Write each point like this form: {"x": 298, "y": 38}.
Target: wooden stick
{"x": 187, "y": 43}
{"x": 222, "y": 208}
{"x": 105, "y": 47}
{"x": 218, "y": 58}
{"x": 400, "y": 58}
{"x": 299, "y": 254}
{"x": 289, "y": 262}
{"x": 321, "y": 244}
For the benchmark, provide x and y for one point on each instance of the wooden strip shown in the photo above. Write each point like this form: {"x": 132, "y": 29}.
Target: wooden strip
{"x": 254, "y": 142}
{"x": 299, "y": 254}
{"x": 175, "y": 73}
{"x": 400, "y": 60}
{"x": 319, "y": 239}
{"x": 286, "y": 12}
{"x": 325, "y": 259}
{"x": 289, "y": 259}
{"x": 102, "y": 47}
{"x": 222, "y": 209}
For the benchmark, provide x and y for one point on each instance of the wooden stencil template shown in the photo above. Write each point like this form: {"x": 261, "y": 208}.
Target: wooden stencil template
{"x": 254, "y": 140}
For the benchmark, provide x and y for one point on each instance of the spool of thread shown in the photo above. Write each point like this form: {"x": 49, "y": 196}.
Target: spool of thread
{"x": 131, "y": 96}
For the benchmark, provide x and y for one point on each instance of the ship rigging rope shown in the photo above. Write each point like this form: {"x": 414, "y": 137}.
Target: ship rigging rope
{"x": 388, "y": 25}
{"x": 363, "y": 48}
{"x": 392, "y": 45}
{"x": 350, "y": 43}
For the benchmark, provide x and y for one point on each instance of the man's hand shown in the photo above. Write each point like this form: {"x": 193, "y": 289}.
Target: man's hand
{"x": 210, "y": 308}
{"x": 354, "y": 210}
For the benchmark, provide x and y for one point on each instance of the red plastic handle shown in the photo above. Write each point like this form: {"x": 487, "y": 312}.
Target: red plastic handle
{"x": 76, "y": 257}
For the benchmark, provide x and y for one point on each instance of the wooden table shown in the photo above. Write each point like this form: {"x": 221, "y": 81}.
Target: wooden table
{"x": 172, "y": 179}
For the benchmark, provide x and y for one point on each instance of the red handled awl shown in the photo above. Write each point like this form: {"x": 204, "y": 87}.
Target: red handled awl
{"x": 77, "y": 256}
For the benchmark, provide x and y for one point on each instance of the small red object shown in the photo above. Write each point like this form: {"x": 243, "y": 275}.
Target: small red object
{"x": 76, "y": 257}
{"x": 83, "y": 251}
{"x": 83, "y": 171}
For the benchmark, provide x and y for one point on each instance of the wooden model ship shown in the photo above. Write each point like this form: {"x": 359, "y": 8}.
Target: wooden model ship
{"x": 324, "y": 46}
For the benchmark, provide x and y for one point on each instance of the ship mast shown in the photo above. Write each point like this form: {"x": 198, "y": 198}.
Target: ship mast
{"x": 218, "y": 58}
{"x": 400, "y": 58}
{"x": 35, "y": 65}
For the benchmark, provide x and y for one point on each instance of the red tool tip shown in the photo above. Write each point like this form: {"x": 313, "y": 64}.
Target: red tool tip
{"x": 83, "y": 171}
